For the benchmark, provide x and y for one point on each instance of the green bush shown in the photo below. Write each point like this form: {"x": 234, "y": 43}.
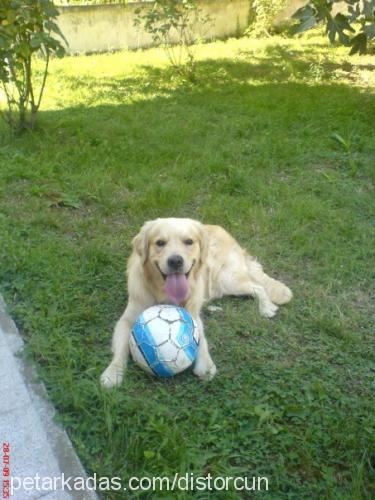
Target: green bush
{"x": 170, "y": 23}
{"x": 264, "y": 13}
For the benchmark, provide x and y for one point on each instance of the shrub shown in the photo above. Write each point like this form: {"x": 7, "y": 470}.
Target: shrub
{"x": 264, "y": 13}
{"x": 170, "y": 23}
{"x": 26, "y": 30}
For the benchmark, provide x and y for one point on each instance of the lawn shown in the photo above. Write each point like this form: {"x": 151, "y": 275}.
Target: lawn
{"x": 250, "y": 147}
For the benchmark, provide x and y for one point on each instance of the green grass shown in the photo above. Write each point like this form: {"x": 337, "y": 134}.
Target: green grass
{"x": 250, "y": 146}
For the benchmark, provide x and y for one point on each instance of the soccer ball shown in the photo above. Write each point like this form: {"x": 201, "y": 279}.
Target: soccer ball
{"x": 164, "y": 340}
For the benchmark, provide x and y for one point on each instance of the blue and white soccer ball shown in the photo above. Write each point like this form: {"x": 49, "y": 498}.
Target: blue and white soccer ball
{"x": 164, "y": 340}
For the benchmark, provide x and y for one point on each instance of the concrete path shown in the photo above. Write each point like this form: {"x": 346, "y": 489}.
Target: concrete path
{"x": 32, "y": 445}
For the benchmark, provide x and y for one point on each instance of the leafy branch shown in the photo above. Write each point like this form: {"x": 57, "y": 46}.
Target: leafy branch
{"x": 353, "y": 27}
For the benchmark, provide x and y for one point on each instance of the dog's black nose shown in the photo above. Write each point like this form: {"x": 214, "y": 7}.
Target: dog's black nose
{"x": 175, "y": 262}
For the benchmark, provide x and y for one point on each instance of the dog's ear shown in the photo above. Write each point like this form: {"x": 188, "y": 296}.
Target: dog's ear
{"x": 204, "y": 242}
{"x": 140, "y": 242}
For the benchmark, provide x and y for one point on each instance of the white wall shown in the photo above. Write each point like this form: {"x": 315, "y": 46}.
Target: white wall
{"x": 99, "y": 28}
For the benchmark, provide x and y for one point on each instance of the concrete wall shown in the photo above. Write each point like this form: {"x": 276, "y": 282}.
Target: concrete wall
{"x": 100, "y": 28}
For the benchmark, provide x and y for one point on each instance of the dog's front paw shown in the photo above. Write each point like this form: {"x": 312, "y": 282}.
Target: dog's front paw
{"x": 112, "y": 376}
{"x": 268, "y": 310}
{"x": 205, "y": 372}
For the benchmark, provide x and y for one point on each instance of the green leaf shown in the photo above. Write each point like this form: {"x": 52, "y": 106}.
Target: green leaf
{"x": 55, "y": 29}
{"x": 35, "y": 41}
{"x": 343, "y": 23}
{"x": 331, "y": 30}
{"x": 304, "y": 26}
{"x": 60, "y": 52}
{"x": 337, "y": 26}
{"x": 23, "y": 50}
{"x": 48, "y": 8}
{"x": 304, "y": 13}
{"x": 359, "y": 44}
{"x": 307, "y": 17}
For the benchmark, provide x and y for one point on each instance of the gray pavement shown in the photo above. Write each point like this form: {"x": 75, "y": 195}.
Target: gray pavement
{"x": 38, "y": 447}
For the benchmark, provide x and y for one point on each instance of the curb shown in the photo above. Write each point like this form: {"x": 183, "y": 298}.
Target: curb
{"x": 37, "y": 444}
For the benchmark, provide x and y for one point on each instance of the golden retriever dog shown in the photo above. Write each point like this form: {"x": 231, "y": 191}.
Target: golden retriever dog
{"x": 184, "y": 262}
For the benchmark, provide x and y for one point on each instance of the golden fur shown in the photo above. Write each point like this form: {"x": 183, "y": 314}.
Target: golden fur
{"x": 215, "y": 264}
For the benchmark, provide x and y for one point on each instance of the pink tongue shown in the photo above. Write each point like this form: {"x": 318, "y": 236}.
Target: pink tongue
{"x": 176, "y": 287}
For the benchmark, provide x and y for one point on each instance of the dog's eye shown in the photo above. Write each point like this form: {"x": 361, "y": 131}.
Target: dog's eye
{"x": 161, "y": 243}
{"x": 188, "y": 242}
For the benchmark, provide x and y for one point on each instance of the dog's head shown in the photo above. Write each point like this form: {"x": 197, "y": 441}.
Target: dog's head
{"x": 172, "y": 251}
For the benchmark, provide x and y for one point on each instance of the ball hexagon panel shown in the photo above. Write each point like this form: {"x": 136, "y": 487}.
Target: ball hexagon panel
{"x": 169, "y": 314}
{"x": 159, "y": 330}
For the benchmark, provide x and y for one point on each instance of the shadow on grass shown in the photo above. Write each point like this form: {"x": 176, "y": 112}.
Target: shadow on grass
{"x": 268, "y": 77}
{"x": 281, "y": 65}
